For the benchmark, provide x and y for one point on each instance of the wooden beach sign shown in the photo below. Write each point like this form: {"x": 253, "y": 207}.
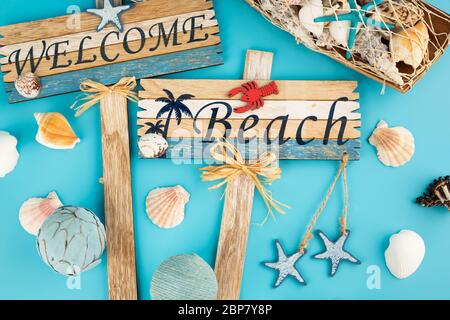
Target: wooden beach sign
{"x": 158, "y": 37}
{"x": 112, "y": 46}
{"x": 304, "y": 120}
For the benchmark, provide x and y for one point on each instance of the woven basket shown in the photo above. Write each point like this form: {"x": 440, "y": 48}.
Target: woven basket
{"x": 436, "y": 20}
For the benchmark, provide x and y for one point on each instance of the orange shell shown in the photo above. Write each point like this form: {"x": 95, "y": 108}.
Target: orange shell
{"x": 55, "y": 131}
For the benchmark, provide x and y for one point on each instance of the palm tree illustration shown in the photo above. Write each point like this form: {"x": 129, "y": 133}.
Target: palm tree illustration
{"x": 174, "y": 106}
{"x": 156, "y": 128}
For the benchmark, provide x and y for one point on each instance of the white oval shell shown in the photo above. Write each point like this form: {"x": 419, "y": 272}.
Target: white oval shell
{"x": 395, "y": 145}
{"x": 35, "y": 211}
{"x": 165, "y": 206}
{"x": 405, "y": 253}
{"x": 410, "y": 45}
{"x": 9, "y": 156}
{"x": 28, "y": 85}
{"x": 340, "y": 30}
{"x": 311, "y": 10}
{"x": 152, "y": 145}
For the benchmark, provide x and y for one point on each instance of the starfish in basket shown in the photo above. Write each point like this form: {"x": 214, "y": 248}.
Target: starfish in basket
{"x": 356, "y": 16}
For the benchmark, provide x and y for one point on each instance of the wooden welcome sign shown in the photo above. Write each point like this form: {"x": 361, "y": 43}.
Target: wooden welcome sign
{"x": 304, "y": 120}
{"x": 158, "y": 37}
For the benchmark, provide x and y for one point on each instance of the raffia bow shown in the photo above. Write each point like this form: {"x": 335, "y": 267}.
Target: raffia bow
{"x": 263, "y": 171}
{"x": 94, "y": 92}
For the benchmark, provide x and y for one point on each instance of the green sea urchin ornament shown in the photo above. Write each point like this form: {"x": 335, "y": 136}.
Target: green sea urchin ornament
{"x": 71, "y": 240}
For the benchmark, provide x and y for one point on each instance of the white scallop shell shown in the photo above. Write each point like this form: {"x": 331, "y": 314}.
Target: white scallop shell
{"x": 165, "y": 206}
{"x": 405, "y": 253}
{"x": 152, "y": 145}
{"x": 8, "y": 153}
{"x": 28, "y": 85}
{"x": 35, "y": 211}
{"x": 395, "y": 145}
{"x": 311, "y": 10}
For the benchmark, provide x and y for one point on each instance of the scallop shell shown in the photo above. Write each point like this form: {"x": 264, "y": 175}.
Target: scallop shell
{"x": 34, "y": 211}
{"x": 311, "y": 10}
{"x": 165, "y": 206}
{"x": 28, "y": 85}
{"x": 55, "y": 131}
{"x": 152, "y": 146}
{"x": 9, "y": 156}
{"x": 410, "y": 45}
{"x": 405, "y": 253}
{"x": 395, "y": 146}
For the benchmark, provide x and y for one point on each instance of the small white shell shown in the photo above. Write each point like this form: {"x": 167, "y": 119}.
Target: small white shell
{"x": 395, "y": 145}
{"x": 165, "y": 206}
{"x": 311, "y": 10}
{"x": 9, "y": 156}
{"x": 28, "y": 85}
{"x": 34, "y": 211}
{"x": 405, "y": 253}
{"x": 152, "y": 145}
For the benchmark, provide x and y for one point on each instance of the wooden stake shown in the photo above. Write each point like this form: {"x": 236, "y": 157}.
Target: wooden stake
{"x": 238, "y": 205}
{"x": 118, "y": 197}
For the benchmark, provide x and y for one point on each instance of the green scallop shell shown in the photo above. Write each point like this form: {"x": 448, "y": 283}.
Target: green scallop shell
{"x": 184, "y": 277}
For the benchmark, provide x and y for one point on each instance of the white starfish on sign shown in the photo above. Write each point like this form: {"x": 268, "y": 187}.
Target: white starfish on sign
{"x": 109, "y": 14}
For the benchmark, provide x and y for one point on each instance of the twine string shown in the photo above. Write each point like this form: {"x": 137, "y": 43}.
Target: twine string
{"x": 94, "y": 92}
{"x": 262, "y": 172}
{"x": 308, "y": 234}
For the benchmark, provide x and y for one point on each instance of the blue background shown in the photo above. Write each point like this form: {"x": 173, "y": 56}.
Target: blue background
{"x": 381, "y": 198}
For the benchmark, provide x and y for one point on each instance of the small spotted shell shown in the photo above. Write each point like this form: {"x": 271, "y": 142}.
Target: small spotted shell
{"x": 152, "y": 146}
{"x": 165, "y": 206}
{"x": 28, "y": 85}
{"x": 395, "y": 145}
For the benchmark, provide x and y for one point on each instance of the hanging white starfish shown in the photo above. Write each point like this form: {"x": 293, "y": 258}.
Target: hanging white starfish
{"x": 286, "y": 266}
{"x": 335, "y": 251}
{"x": 109, "y": 14}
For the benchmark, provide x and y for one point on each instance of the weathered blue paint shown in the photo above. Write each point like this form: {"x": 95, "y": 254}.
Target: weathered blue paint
{"x": 141, "y": 68}
{"x": 186, "y": 150}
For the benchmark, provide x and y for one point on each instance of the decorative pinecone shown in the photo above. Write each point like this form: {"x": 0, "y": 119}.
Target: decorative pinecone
{"x": 437, "y": 194}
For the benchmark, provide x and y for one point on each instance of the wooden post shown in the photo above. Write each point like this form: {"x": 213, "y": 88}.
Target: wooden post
{"x": 238, "y": 205}
{"x": 118, "y": 197}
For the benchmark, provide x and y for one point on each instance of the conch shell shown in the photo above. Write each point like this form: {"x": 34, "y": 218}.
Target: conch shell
{"x": 34, "y": 211}
{"x": 410, "y": 45}
{"x": 405, "y": 253}
{"x": 395, "y": 146}
{"x": 55, "y": 131}
{"x": 165, "y": 206}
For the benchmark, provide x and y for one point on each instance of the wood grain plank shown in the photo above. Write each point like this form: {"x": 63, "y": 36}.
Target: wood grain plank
{"x": 118, "y": 198}
{"x": 141, "y": 68}
{"x": 311, "y": 129}
{"x": 45, "y": 67}
{"x": 57, "y": 27}
{"x": 196, "y": 150}
{"x": 237, "y": 209}
{"x": 96, "y": 38}
{"x": 289, "y": 90}
{"x": 270, "y": 110}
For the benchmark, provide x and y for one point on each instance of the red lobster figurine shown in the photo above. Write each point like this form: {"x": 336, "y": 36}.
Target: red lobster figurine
{"x": 253, "y": 95}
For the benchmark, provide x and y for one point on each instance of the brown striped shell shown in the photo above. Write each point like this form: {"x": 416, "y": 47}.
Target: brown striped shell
{"x": 165, "y": 206}
{"x": 395, "y": 145}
